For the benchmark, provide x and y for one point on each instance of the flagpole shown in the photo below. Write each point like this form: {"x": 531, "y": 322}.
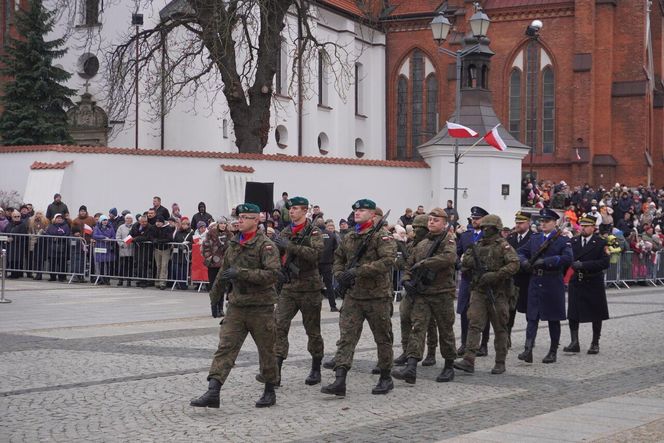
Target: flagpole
{"x": 477, "y": 142}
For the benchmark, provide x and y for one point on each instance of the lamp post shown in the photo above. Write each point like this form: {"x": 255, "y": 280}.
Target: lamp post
{"x": 440, "y": 27}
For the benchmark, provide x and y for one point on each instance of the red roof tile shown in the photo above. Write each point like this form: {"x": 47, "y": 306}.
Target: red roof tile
{"x": 232, "y": 168}
{"x": 43, "y": 165}
{"x": 213, "y": 154}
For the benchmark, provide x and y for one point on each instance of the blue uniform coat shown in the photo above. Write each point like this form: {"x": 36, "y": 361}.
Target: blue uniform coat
{"x": 466, "y": 240}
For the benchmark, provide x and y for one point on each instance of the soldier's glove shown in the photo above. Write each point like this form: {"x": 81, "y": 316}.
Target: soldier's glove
{"x": 409, "y": 287}
{"x": 577, "y": 265}
{"x": 539, "y": 263}
{"x": 417, "y": 266}
{"x": 230, "y": 274}
{"x": 347, "y": 277}
{"x": 283, "y": 277}
{"x": 527, "y": 267}
{"x": 217, "y": 309}
{"x": 489, "y": 279}
{"x": 281, "y": 242}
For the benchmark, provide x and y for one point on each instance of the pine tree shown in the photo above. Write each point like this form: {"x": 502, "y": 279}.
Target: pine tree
{"x": 34, "y": 99}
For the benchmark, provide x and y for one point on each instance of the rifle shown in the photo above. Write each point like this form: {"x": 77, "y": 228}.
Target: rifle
{"x": 290, "y": 269}
{"x": 480, "y": 270}
{"x": 342, "y": 288}
{"x": 423, "y": 277}
{"x": 543, "y": 248}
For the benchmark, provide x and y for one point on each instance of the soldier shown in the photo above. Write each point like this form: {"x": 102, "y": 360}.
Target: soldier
{"x": 429, "y": 280}
{"x": 587, "y": 294}
{"x": 491, "y": 264}
{"x": 251, "y": 265}
{"x": 406, "y": 305}
{"x": 301, "y": 243}
{"x": 545, "y": 257}
{"x": 466, "y": 240}
{"x": 518, "y": 238}
{"x": 369, "y": 297}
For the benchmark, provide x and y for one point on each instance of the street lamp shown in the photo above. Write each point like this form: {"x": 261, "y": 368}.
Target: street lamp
{"x": 440, "y": 28}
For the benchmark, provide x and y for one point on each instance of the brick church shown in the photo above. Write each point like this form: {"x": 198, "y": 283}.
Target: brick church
{"x": 586, "y": 92}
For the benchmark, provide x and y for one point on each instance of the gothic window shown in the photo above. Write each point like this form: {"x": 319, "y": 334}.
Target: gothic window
{"x": 515, "y": 104}
{"x": 402, "y": 117}
{"x": 432, "y": 106}
{"x": 548, "y": 107}
{"x": 359, "y": 89}
{"x": 323, "y": 67}
{"x": 417, "y": 101}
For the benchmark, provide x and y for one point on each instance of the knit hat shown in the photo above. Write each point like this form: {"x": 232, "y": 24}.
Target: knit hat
{"x": 201, "y": 224}
{"x": 102, "y": 218}
{"x": 113, "y": 211}
{"x": 83, "y": 208}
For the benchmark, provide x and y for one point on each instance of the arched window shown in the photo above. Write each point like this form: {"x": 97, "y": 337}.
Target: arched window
{"x": 432, "y": 106}
{"x": 417, "y": 101}
{"x": 402, "y": 117}
{"x": 548, "y": 111}
{"x": 515, "y": 104}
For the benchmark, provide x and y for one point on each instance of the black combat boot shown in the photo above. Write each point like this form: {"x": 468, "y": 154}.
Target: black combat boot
{"x": 338, "y": 387}
{"x": 314, "y": 374}
{"x": 269, "y": 397}
{"x": 401, "y": 360}
{"x": 527, "y": 354}
{"x": 466, "y": 364}
{"x": 594, "y": 348}
{"x": 211, "y": 397}
{"x": 385, "y": 384}
{"x": 375, "y": 370}
{"x": 329, "y": 364}
{"x": 574, "y": 345}
{"x": 447, "y": 374}
{"x": 407, "y": 374}
{"x": 430, "y": 359}
{"x": 498, "y": 368}
{"x": 483, "y": 351}
{"x": 551, "y": 356}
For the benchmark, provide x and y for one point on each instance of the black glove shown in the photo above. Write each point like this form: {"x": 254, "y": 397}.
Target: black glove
{"x": 217, "y": 309}
{"x": 527, "y": 267}
{"x": 281, "y": 242}
{"x": 577, "y": 265}
{"x": 539, "y": 263}
{"x": 230, "y": 274}
{"x": 416, "y": 266}
{"x": 409, "y": 287}
{"x": 283, "y": 278}
{"x": 347, "y": 277}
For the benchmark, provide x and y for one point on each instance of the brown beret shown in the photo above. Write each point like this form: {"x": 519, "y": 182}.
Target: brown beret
{"x": 438, "y": 212}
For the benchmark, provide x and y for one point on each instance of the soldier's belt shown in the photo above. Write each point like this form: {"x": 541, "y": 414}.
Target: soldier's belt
{"x": 580, "y": 275}
{"x": 542, "y": 272}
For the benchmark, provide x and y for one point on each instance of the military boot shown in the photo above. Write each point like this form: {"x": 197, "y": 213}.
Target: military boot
{"x": 483, "y": 351}
{"x": 375, "y": 370}
{"x": 407, "y": 374}
{"x": 385, "y": 384}
{"x": 401, "y": 360}
{"x": 338, "y": 387}
{"x": 466, "y": 364}
{"x": 527, "y": 354}
{"x": 574, "y": 345}
{"x": 447, "y": 374}
{"x": 314, "y": 374}
{"x": 269, "y": 397}
{"x": 430, "y": 359}
{"x": 211, "y": 397}
{"x": 551, "y": 356}
{"x": 329, "y": 364}
{"x": 498, "y": 368}
{"x": 594, "y": 348}
{"x": 462, "y": 350}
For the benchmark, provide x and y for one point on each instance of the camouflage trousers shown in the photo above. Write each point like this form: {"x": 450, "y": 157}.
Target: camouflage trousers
{"x": 309, "y": 304}
{"x": 479, "y": 311}
{"x": 238, "y": 322}
{"x": 441, "y": 308}
{"x": 377, "y": 313}
{"x": 405, "y": 312}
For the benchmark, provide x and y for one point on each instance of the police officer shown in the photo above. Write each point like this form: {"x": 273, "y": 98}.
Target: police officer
{"x": 301, "y": 244}
{"x": 587, "y": 294}
{"x": 546, "y": 255}
{"x": 369, "y": 297}
{"x": 466, "y": 240}
{"x": 429, "y": 281}
{"x": 491, "y": 264}
{"x": 252, "y": 266}
{"x": 516, "y": 239}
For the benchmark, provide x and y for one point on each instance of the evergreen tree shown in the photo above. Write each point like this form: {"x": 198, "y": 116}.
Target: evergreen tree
{"x": 34, "y": 99}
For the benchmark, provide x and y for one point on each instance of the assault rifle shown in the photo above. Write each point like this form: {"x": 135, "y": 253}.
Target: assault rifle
{"x": 290, "y": 269}
{"x": 355, "y": 261}
{"x": 479, "y": 271}
{"x": 542, "y": 249}
{"x": 423, "y": 277}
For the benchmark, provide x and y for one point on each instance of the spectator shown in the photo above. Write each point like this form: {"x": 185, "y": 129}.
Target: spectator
{"x": 201, "y": 230}
{"x": 57, "y": 207}
{"x": 58, "y": 247}
{"x": 113, "y": 219}
{"x": 104, "y": 236}
{"x": 4, "y": 221}
{"x": 82, "y": 220}
{"x": 77, "y": 250}
{"x": 317, "y": 214}
{"x": 343, "y": 228}
{"x": 126, "y": 254}
{"x": 37, "y": 226}
{"x": 407, "y": 217}
{"x": 451, "y": 211}
{"x": 626, "y": 224}
{"x": 175, "y": 212}
{"x": 31, "y": 210}
{"x": 142, "y": 233}
{"x": 163, "y": 236}
{"x": 572, "y": 217}
{"x": 278, "y": 206}
{"x": 152, "y": 216}
{"x": 420, "y": 210}
{"x": 159, "y": 209}
{"x": 276, "y": 218}
{"x": 182, "y": 254}
{"x": 25, "y": 212}
{"x": 201, "y": 216}
{"x": 649, "y": 236}
{"x": 213, "y": 248}
{"x": 17, "y": 246}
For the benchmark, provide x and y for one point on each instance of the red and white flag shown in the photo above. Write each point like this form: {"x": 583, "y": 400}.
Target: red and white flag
{"x": 87, "y": 229}
{"x": 129, "y": 240}
{"x": 459, "y": 131}
{"x": 578, "y": 157}
{"x": 493, "y": 138}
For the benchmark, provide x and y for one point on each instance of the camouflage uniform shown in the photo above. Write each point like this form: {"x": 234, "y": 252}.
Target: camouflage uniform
{"x": 501, "y": 259}
{"x": 301, "y": 293}
{"x": 250, "y": 305}
{"x": 370, "y": 298}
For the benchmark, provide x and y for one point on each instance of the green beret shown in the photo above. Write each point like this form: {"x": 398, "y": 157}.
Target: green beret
{"x": 247, "y": 208}
{"x": 421, "y": 221}
{"x": 297, "y": 201}
{"x": 364, "y": 203}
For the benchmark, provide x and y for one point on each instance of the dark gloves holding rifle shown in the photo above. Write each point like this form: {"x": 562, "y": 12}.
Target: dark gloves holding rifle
{"x": 539, "y": 263}
{"x": 347, "y": 277}
{"x": 218, "y": 309}
{"x": 230, "y": 274}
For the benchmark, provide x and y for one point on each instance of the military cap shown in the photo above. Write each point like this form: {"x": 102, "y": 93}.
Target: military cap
{"x": 420, "y": 221}
{"x": 587, "y": 220}
{"x": 296, "y": 201}
{"x": 548, "y": 214}
{"x": 491, "y": 220}
{"x": 477, "y": 212}
{"x": 521, "y": 217}
{"x": 247, "y": 208}
{"x": 438, "y": 212}
{"x": 364, "y": 203}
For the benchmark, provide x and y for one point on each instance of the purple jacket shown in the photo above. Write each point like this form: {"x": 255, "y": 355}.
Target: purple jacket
{"x": 105, "y": 239}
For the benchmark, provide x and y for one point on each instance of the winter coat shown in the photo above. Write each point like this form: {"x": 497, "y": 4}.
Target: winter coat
{"x": 56, "y": 208}
{"x": 104, "y": 242}
{"x": 214, "y": 246}
{"x": 126, "y": 250}
{"x": 58, "y": 247}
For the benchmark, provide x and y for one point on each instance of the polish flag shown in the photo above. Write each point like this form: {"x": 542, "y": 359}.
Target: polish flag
{"x": 129, "y": 240}
{"x": 494, "y": 139}
{"x": 87, "y": 229}
{"x": 459, "y": 131}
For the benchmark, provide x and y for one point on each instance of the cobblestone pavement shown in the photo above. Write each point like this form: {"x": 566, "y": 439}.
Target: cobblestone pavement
{"x": 105, "y": 364}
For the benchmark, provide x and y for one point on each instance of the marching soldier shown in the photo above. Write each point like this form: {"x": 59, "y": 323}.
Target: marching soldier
{"x": 369, "y": 296}
{"x": 466, "y": 240}
{"x": 251, "y": 265}
{"x": 429, "y": 281}
{"x": 301, "y": 243}
{"x": 545, "y": 257}
{"x": 587, "y": 294}
{"x": 516, "y": 239}
{"x": 491, "y": 265}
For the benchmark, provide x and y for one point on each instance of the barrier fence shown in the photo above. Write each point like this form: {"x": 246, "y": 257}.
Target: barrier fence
{"x": 179, "y": 265}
